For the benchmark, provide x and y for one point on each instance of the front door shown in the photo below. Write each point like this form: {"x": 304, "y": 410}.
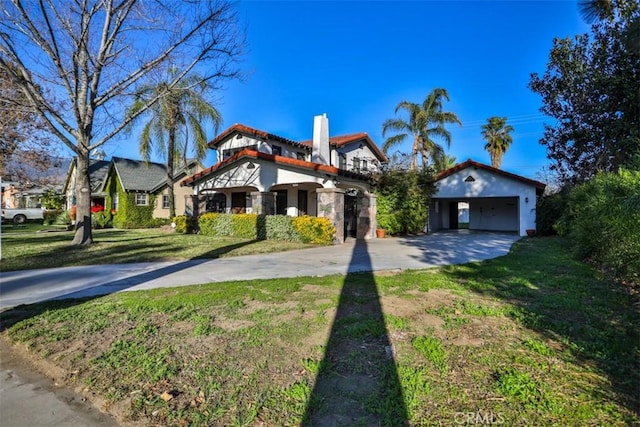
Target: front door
{"x": 281, "y": 202}
{"x": 238, "y": 202}
{"x": 453, "y": 215}
{"x": 302, "y": 203}
{"x": 350, "y": 216}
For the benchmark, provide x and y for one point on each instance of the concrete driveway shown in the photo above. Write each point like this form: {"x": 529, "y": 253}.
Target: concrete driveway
{"x": 395, "y": 253}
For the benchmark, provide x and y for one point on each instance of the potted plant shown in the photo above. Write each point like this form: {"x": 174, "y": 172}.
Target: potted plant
{"x": 530, "y": 232}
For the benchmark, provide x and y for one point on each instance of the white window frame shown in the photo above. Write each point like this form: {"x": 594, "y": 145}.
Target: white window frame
{"x": 165, "y": 198}
{"x": 139, "y": 202}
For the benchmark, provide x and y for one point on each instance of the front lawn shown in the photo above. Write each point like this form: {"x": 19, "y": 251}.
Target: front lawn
{"x": 531, "y": 338}
{"x": 50, "y": 247}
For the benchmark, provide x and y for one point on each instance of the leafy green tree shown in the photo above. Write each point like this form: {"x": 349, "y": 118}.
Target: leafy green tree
{"x": 52, "y": 200}
{"x": 497, "y": 133}
{"x": 425, "y": 123}
{"x": 403, "y": 199}
{"x": 590, "y": 88}
{"x": 179, "y": 112}
{"x": 594, "y": 11}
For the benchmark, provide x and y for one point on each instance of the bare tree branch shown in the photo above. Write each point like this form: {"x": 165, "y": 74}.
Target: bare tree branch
{"x": 94, "y": 54}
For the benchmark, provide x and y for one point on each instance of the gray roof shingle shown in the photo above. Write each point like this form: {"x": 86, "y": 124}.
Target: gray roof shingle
{"x": 98, "y": 170}
{"x": 137, "y": 175}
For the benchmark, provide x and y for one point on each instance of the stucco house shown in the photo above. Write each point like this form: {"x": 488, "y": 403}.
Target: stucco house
{"x": 497, "y": 200}
{"x": 145, "y": 181}
{"x": 259, "y": 172}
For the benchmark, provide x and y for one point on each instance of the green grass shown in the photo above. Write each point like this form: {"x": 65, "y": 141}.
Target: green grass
{"x": 531, "y": 338}
{"x": 31, "y": 249}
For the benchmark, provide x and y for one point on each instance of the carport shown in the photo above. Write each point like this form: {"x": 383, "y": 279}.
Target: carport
{"x": 497, "y": 200}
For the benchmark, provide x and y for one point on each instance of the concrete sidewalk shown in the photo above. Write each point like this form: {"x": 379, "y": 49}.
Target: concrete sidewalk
{"x": 28, "y": 398}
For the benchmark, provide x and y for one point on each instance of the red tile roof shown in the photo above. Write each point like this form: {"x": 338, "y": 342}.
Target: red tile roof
{"x": 470, "y": 163}
{"x": 252, "y": 154}
{"x": 240, "y": 128}
{"x": 339, "y": 141}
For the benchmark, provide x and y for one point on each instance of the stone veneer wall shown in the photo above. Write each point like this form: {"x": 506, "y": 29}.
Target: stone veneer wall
{"x": 331, "y": 205}
{"x": 367, "y": 216}
{"x": 264, "y": 203}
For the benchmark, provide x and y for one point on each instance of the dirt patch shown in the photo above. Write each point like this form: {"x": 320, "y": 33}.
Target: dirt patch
{"x": 232, "y": 324}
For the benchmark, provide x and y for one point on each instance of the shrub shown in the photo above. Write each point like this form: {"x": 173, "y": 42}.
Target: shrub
{"x": 245, "y": 226}
{"x": 603, "y": 223}
{"x": 402, "y": 199}
{"x": 210, "y": 224}
{"x": 101, "y": 219}
{"x": 50, "y": 216}
{"x": 185, "y": 224}
{"x": 273, "y": 227}
{"x": 312, "y": 229}
{"x": 280, "y": 227}
{"x": 549, "y": 211}
{"x": 64, "y": 218}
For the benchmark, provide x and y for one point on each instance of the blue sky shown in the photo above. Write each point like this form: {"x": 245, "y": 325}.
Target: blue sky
{"x": 356, "y": 60}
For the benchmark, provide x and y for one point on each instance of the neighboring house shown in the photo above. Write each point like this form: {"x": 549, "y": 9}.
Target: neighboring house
{"x": 26, "y": 189}
{"x": 260, "y": 172}
{"x": 146, "y": 182}
{"x": 8, "y": 191}
{"x": 497, "y": 200}
{"x": 98, "y": 170}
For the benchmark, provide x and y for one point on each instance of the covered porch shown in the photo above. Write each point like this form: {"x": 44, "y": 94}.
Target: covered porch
{"x": 256, "y": 184}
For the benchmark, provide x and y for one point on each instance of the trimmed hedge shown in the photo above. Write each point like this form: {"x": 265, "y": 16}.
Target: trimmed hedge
{"x": 313, "y": 229}
{"x": 185, "y": 224}
{"x": 305, "y": 229}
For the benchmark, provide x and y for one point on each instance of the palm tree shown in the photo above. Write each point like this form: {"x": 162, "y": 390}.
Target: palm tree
{"x": 426, "y": 121}
{"x": 444, "y": 162}
{"x": 175, "y": 108}
{"x": 497, "y": 134}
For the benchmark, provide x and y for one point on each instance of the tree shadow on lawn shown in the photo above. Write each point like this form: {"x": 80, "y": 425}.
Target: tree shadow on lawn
{"x": 567, "y": 301}
{"x": 357, "y": 382}
{"x": 16, "y": 314}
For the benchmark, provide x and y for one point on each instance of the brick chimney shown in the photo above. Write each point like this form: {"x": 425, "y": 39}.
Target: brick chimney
{"x": 321, "y": 152}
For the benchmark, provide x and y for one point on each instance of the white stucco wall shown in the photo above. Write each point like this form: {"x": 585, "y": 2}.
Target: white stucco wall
{"x": 352, "y": 151}
{"x": 496, "y": 202}
{"x": 263, "y": 176}
{"x": 263, "y": 147}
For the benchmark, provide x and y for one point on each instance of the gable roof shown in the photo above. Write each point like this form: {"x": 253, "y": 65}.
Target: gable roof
{"x": 342, "y": 140}
{"x": 249, "y": 131}
{"x": 473, "y": 164}
{"x": 98, "y": 170}
{"x": 336, "y": 141}
{"x": 253, "y": 154}
{"x": 137, "y": 175}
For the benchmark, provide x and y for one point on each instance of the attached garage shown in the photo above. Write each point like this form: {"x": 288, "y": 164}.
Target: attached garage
{"x": 484, "y": 197}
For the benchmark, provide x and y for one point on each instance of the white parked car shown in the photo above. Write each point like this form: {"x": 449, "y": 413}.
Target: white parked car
{"x": 19, "y": 216}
